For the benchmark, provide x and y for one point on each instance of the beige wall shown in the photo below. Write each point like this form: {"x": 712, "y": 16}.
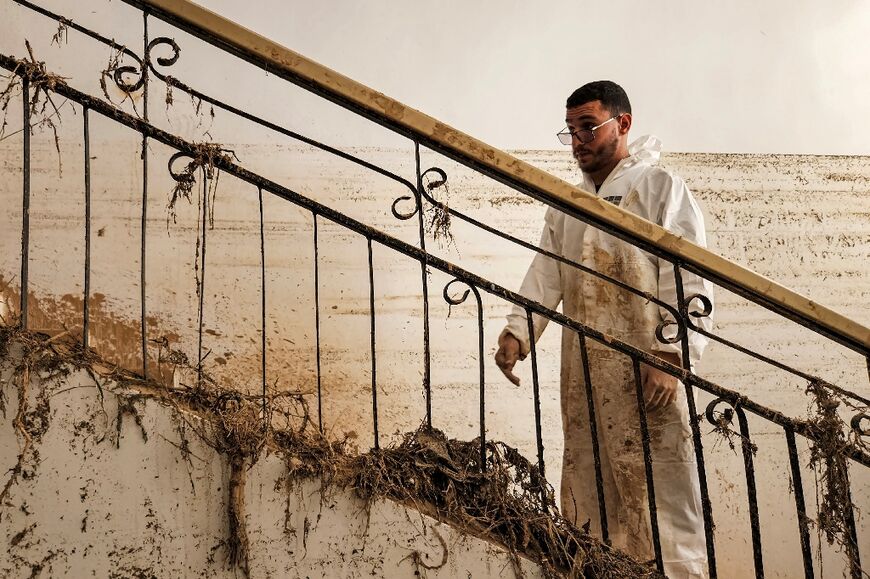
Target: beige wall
{"x": 105, "y": 501}
{"x": 800, "y": 220}
{"x": 803, "y": 221}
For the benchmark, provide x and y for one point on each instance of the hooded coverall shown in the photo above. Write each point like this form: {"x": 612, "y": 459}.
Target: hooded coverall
{"x": 636, "y": 184}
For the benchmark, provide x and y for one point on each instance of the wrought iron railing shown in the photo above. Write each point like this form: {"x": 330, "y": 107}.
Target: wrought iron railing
{"x": 204, "y": 160}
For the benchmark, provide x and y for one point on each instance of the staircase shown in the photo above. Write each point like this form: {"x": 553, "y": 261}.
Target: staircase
{"x": 191, "y": 240}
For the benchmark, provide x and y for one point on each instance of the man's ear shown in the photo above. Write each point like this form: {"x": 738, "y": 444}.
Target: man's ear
{"x": 624, "y": 123}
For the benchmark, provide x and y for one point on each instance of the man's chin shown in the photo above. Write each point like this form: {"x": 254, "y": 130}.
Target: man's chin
{"x": 585, "y": 166}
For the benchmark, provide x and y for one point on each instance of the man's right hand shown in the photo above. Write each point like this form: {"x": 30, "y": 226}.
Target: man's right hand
{"x": 507, "y": 355}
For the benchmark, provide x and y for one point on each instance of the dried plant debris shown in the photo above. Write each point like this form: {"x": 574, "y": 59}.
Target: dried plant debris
{"x": 40, "y": 357}
{"x": 170, "y": 98}
{"x": 509, "y": 502}
{"x": 829, "y": 457}
{"x": 722, "y": 422}
{"x": 62, "y": 32}
{"x": 116, "y": 71}
{"x": 437, "y": 216}
{"x": 204, "y": 160}
{"x": 41, "y": 85}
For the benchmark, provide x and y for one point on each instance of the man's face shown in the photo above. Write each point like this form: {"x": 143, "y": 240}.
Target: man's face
{"x": 603, "y": 149}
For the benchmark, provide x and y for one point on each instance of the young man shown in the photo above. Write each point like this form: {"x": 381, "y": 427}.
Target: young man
{"x": 598, "y": 120}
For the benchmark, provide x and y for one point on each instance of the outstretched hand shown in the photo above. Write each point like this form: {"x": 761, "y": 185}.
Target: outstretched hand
{"x": 659, "y": 388}
{"x": 507, "y": 355}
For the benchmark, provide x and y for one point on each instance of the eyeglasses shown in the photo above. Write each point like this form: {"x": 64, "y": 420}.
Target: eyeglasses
{"x": 583, "y": 135}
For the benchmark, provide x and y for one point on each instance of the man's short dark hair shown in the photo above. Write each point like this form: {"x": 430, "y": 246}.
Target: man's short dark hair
{"x": 611, "y": 95}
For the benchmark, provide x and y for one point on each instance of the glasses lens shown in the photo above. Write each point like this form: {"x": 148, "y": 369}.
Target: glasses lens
{"x": 564, "y": 137}
{"x": 585, "y": 136}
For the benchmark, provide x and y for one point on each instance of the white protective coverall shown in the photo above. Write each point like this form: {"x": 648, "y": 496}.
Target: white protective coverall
{"x": 636, "y": 184}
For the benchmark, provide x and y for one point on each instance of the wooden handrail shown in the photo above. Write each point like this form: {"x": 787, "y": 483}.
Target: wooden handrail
{"x": 500, "y": 165}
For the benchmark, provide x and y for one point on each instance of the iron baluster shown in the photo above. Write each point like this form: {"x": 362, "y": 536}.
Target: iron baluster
{"x": 747, "y": 449}
{"x": 427, "y": 355}
{"x": 593, "y": 431}
{"x": 536, "y": 394}
{"x": 317, "y": 324}
{"x": 25, "y": 206}
{"x": 648, "y": 467}
{"x": 480, "y": 359}
{"x": 266, "y": 418}
{"x": 852, "y": 550}
{"x": 144, "y": 223}
{"x": 373, "y": 353}
{"x": 86, "y": 306}
{"x": 201, "y": 285}
{"x": 800, "y": 506}
{"x": 697, "y": 444}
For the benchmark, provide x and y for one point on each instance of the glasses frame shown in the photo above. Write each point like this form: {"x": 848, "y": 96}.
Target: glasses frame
{"x": 568, "y": 134}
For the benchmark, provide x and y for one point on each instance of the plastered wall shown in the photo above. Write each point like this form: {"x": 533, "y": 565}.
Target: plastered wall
{"x": 803, "y": 221}
{"x": 107, "y": 492}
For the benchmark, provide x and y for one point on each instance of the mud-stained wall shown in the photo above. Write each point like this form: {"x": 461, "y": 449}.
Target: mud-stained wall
{"x": 799, "y": 220}
{"x": 803, "y": 221}
{"x": 148, "y": 498}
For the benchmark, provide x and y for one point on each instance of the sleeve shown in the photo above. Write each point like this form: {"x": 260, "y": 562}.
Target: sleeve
{"x": 681, "y": 215}
{"x": 542, "y": 284}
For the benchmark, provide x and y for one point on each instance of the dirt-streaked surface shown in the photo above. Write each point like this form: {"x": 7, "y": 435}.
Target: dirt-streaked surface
{"x": 802, "y": 221}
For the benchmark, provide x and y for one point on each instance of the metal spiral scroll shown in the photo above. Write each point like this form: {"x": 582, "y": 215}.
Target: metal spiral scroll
{"x": 418, "y": 195}
{"x": 856, "y": 421}
{"x": 426, "y": 190}
{"x": 660, "y": 331}
{"x": 706, "y": 309}
{"x": 119, "y": 71}
{"x": 455, "y": 301}
{"x": 725, "y": 418}
{"x": 184, "y": 176}
{"x": 404, "y": 216}
{"x": 162, "y": 60}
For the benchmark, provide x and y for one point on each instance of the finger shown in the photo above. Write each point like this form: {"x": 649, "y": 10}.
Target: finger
{"x": 650, "y": 388}
{"x": 655, "y": 398}
{"x": 648, "y": 391}
{"x": 507, "y": 371}
{"x": 664, "y": 397}
{"x": 672, "y": 398}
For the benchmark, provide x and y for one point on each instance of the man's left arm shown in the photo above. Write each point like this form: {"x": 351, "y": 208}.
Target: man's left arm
{"x": 681, "y": 215}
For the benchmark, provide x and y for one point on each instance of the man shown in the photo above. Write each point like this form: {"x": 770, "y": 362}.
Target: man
{"x": 599, "y": 118}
